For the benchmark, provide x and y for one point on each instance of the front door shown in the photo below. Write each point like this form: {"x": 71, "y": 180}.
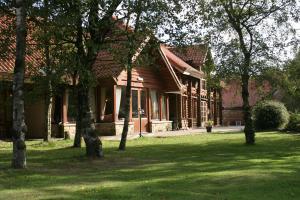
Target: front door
{"x": 139, "y": 110}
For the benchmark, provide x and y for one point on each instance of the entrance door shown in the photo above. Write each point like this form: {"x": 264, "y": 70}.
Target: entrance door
{"x": 139, "y": 110}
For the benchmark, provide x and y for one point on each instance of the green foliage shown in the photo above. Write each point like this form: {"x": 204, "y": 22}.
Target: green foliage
{"x": 294, "y": 123}
{"x": 270, "y": 115}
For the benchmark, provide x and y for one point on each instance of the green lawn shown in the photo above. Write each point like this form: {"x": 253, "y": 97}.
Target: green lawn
{"x": 208, "y": 166}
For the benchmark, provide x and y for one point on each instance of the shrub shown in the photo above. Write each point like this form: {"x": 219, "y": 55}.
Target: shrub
{"x": 270, "y": 115}
{"x": 294, "y": 123}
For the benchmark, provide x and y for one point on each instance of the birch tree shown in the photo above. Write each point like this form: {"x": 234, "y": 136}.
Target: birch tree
{"x": 248, "y": 35}
{"x": 19, "y": 126}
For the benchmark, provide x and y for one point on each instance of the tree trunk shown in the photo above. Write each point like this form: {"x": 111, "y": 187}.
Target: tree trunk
{"x": 49, "y": 101}
{"x": 19, "y": 126}
{"x": 89, "y": 133}
{"x": 122, "y": 145}
{"x": 77, "y": 139}
{"x": 249, "y": 129}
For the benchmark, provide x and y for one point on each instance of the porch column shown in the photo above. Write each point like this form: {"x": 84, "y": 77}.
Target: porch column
{"x": 199, "y": 103}
{"x": 190, "y": 112}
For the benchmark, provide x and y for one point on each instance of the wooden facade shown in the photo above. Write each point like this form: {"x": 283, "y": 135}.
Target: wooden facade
{"x": 168, "y": 95}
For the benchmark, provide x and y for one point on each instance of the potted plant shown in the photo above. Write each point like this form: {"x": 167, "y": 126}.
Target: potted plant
{"x": 209, "y": 124}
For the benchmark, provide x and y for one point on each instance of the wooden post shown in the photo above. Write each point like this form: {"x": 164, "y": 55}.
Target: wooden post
{"x": 160, "y": 105}
{"x": 179, "y": 106}
{"x": 167, "y": 108}
{"x": 199, "y": 120}
{"x": 148, "y": 109}
{"x": 189, "y": 104}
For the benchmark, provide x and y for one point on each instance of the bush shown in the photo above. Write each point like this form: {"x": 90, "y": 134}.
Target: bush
{"x": 294, "y": 123}
{"x": 270, "y": 115}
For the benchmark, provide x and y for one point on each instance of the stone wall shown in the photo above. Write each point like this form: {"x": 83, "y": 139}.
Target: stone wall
{"x": 113, "y": 128}
{"x": 160, "y": 126}
{"x": 70, "y": 128}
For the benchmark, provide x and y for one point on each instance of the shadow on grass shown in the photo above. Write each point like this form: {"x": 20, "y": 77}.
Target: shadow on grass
{"x": 161, "y": 169}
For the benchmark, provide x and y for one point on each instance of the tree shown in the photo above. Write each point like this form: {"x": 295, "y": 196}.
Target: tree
{"x": 285, "y": 82}
{"x": 19, "y": 126}
{"x": 142, "y": 19}
{"x": 247, "y": 35}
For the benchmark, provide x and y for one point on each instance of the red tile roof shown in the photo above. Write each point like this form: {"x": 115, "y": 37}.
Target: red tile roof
{"x": 194, "y": 55}
{"x": 106, "y": 66}
{"x": 33, "y": 56}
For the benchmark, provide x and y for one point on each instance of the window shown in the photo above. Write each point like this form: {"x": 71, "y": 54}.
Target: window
{"x": 194, "y": 108}
{"x": 106, "y": 104}
{"x": 72, "y": 105}
{"x": 120, "y": 102}
{"x": 143, "y": 103}
{"x": 164, "y": 107}
{"x": 154, "y": 104}
{"x": 135, "y": 105}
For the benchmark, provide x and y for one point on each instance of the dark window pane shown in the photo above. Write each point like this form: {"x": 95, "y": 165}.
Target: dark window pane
{"x": 135, "y": 106}
{"x": 154, "y": 104}
{"x": 143, "y": 103}
{"x": 109, "y": 108}
{"x": 72, "y": 105}
{"x": 122, "y": 104}
{"x": 164, "y": 107}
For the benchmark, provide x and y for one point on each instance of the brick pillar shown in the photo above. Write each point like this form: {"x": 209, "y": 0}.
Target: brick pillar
{"x": 199, "y": 104}
{"x": 215, "y": 107}
{"x": 220, "y": 106}
{"x": 189, "y": 104}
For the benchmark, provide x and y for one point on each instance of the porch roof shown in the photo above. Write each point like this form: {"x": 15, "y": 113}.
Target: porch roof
{"x": 180, "y": 64}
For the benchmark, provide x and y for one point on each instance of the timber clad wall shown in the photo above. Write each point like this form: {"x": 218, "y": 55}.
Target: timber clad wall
{"x": 170, "y": 94}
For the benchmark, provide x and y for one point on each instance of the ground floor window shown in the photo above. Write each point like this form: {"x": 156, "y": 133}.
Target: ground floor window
{"x": 106, "y": 104}
{"x": 120, "y": 102}
{"x": 194, "y": 107}
{"x": 203, "y": 111}
{"x": 71, "y": 96}
{"x": 154, "y": 104}
{"x": 164, "y": 107}
{"x": 143, "y": 107}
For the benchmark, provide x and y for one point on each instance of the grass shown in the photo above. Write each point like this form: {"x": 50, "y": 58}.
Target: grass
{"x": 207, "y": 166}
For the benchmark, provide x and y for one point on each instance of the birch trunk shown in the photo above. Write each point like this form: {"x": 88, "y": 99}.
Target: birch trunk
{"x": 122, "y": 145}
{"x": 49, "y": 103}
{"x": 19, "y": 126}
